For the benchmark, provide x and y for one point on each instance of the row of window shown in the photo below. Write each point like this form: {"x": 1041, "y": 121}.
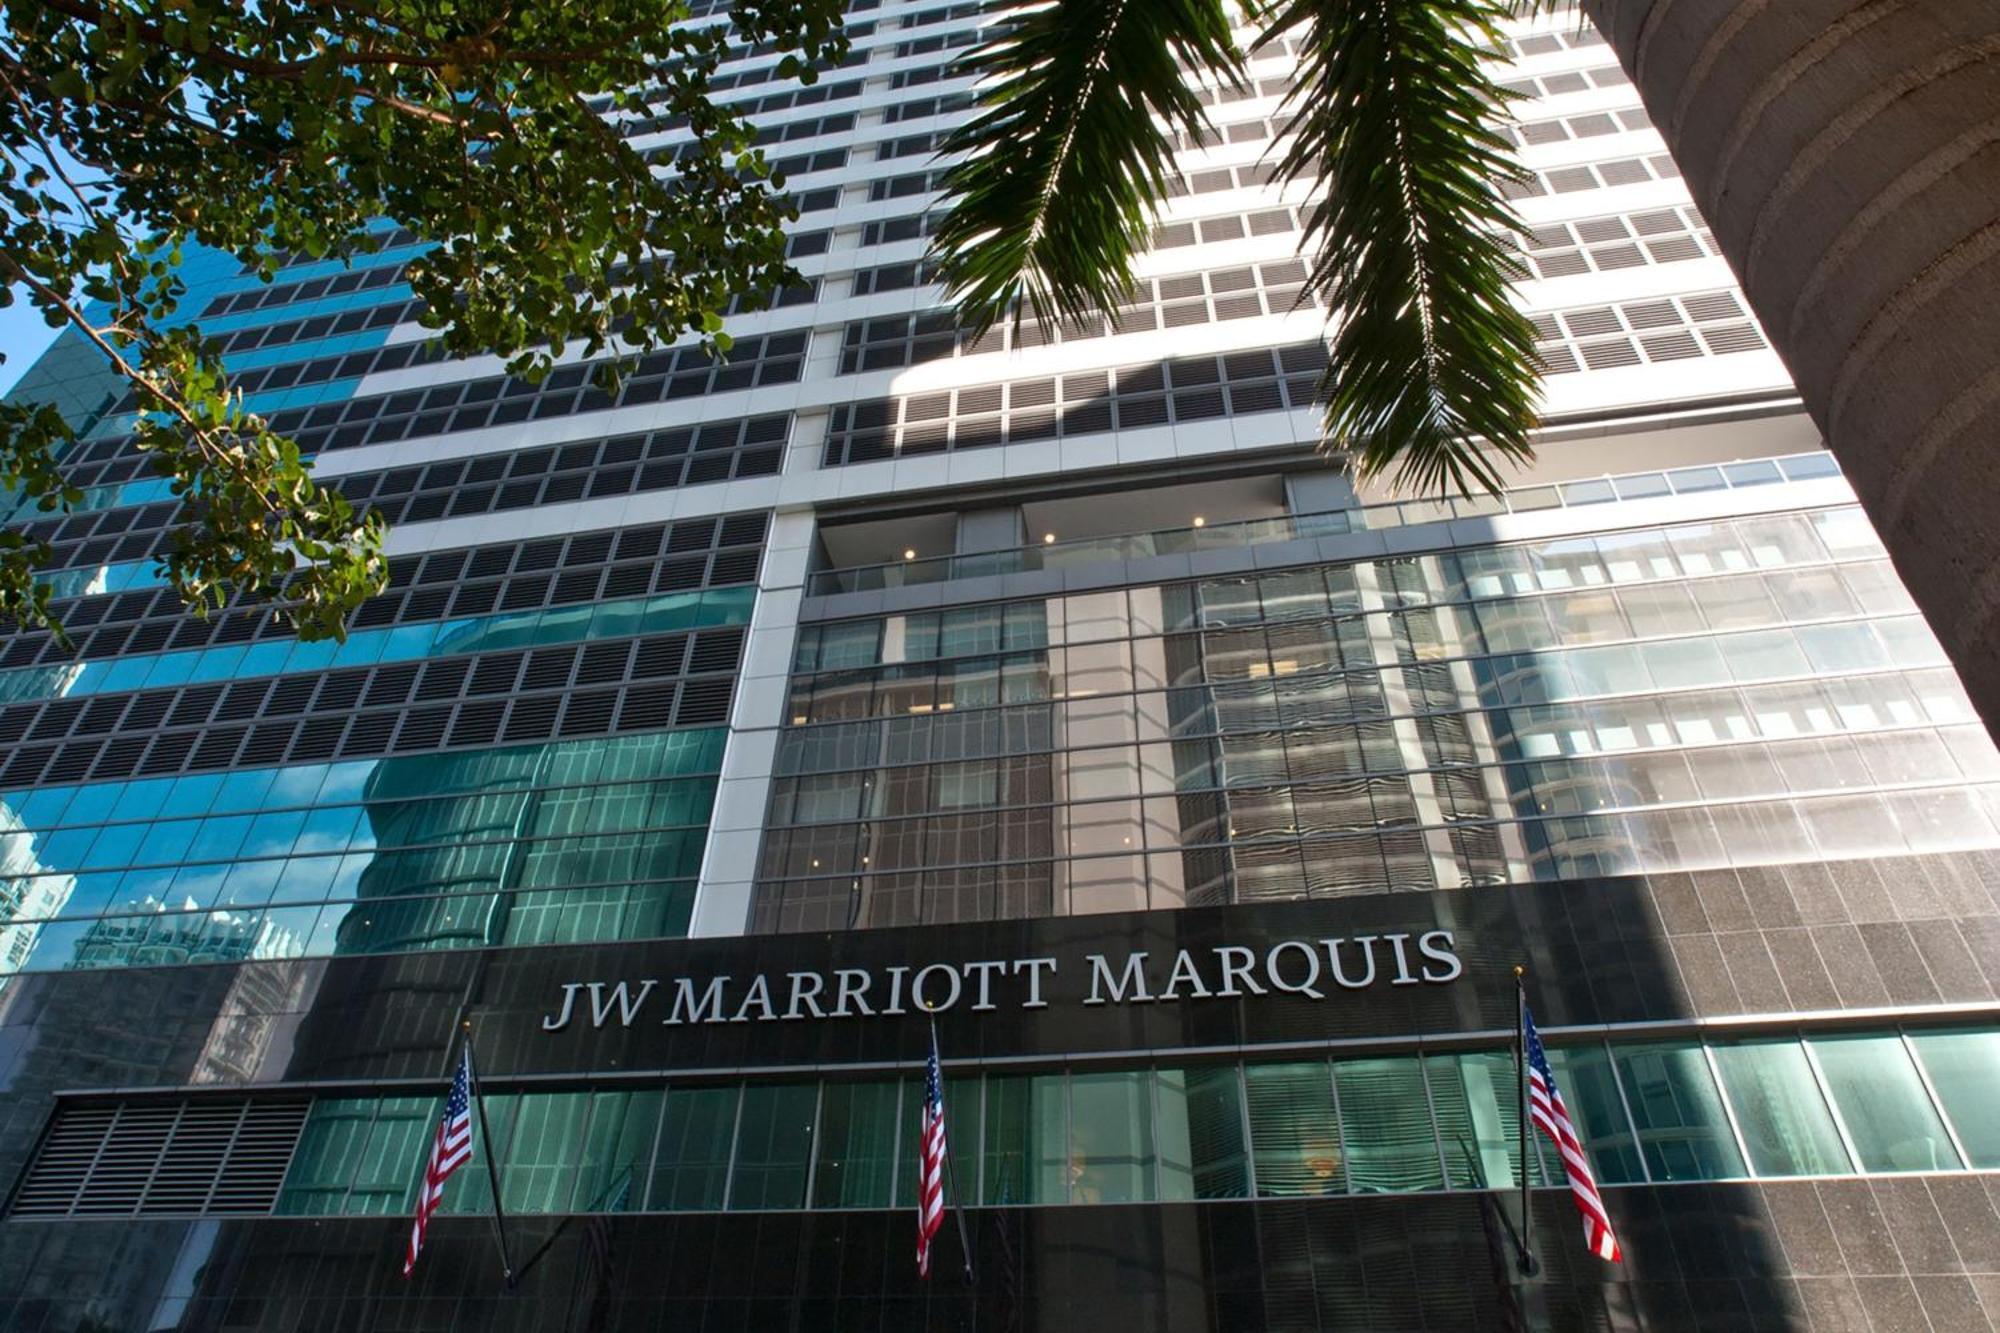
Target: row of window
{"x": 309, "y": 289}
{"x": 1866, "y": 1103}
{"x": 1590, "y": 176}
{"x": 619, "y": 821}
{"x": 1638, "y": 332}
{"x": 1099, "y": 692}
{"x": 1123, "y": 398}
{"x": 1415, "y": 859}
{"x": 570, "y": 623}
{"x": 1586, "y": 125}
{"x": 1690, "y": 551}
{"x": 167, "y": 935}
{"x": 1603, "y": 245}
{"x": 463, "y": 581}
{"x": 564, "y": 771}
{"x": 1179, "y": 301}
{"x": 1568, "y": 81}
{"x": 640, "y": 705}
{"x": 487, "y": 483}
{"x": 1310, "y": 810}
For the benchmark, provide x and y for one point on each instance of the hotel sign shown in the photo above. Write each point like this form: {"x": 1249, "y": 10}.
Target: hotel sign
{"x": 1311, "y": 969}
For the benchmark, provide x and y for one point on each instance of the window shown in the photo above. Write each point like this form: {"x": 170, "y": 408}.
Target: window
{"x": 696, "y": 1132}
{"x": 1388, "y": 1150}
{"x": 1964, "y": 1067}
{"x": 1882, "y": 1102}
{"x": 1785, "y": 1122}
{"x": 1679, "y": 1116}
{"x": 1295, "y": 1130}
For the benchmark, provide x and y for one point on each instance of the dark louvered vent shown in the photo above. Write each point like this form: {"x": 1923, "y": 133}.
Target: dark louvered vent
{"x": 142, "y": 1158}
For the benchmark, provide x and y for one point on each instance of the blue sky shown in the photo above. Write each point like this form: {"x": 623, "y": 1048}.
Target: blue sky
{"x": 23, "y": 335}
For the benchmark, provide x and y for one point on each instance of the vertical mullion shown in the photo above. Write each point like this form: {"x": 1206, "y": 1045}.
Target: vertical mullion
{"x": 1728, "y": 1111}
{"x": 1340, "y": 1131}
{"x": 735, "y": 1141}
{"x": 653, "y": 1156}
{"x": 1430, "y": 1109}
{"x": 1833, "y": 1106}
{"x": 1243, "y": 1115}
{"x": 813, "y": 1143}
{"x": 1625, "y": 1102}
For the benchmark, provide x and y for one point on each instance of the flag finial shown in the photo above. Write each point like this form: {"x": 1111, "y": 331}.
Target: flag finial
{"x": 1519, "y": 971}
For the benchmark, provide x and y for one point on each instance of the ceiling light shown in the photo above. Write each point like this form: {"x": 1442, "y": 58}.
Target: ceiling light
{"x": 1048, "y": 538}
{"x": 909, "y": 555}
{"x": 1200, "y": 522}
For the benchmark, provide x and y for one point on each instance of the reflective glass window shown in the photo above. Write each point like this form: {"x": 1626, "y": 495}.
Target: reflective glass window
{"x": 1388, "y": 1148}
{"x": 1883, "y": 1103}
{"x": 1294, "y": 1131}
{"x": 696, "y": 1131}
{"x": 858, "y": 1145}
{"x": 1677, "y": 1112}
{"x": 1200, "y": 1133}
{"x": 1783, "y": 1118}
{"x": 1964, "y": 1067}
{"x": 773, "y": 1146}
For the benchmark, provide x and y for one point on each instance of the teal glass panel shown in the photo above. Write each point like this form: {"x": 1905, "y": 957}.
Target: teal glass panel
{"x": 470, "y": 1191}
{"x": 1677, "y": 1112}
{"x": 692, "y": 1165}
{"x": 859, "y": 1145}
{"x": 1294, "y": 1132}
{"x": 1784, "y": 1120}
{"x": 1386, "y": 1126}
{"x": 1024, "y": 1156}
{"x": 773, "y": 1147}
{"x": 544, "y": 1152}
{"x": 1111, "y": 1137}
{"x": 1882, "y": 1102}
{"x": 1964, "y": 1067}
{"x": 1200, "y": 1133}
{"x": 330, "y": 1152}
{"x": 392, "y": 1163}
{"x": 1597, "y": 1112}
{"x": 618, "y": 1151}
{"x": 1476, "y": 1097}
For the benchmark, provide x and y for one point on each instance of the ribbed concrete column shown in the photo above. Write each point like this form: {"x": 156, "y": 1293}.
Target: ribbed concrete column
{"x": 1847, "y": 155}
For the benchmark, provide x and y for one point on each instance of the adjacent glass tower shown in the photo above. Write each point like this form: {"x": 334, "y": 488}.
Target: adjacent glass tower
{"x": 882, "y": 644}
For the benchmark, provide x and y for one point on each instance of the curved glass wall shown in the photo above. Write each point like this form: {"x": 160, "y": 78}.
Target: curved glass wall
{"x": 1732, "y": 692}
{"x": 557, "y": 842}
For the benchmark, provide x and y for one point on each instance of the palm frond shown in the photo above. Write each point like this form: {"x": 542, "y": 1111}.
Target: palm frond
{"x": 1064, "y": 158}
{"x": 1392, "y": 114}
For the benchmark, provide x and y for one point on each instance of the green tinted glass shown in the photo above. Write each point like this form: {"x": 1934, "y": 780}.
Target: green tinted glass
{"x": 1785, "y": 1122}
{"x": 1964, "y": 1067}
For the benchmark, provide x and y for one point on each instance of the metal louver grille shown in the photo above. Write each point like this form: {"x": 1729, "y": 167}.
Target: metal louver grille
{"x": 161, "y": 1157}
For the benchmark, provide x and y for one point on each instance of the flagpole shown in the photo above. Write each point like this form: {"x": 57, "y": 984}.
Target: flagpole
{"x": 951, "y": 1170}
{"x": 492, "y": 1167}
{"x": 1521, "y": 1078}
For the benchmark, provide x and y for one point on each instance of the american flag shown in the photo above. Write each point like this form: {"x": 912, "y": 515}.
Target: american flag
{"x": 930, "y": 1163}
{"x": 451, "y": 1149}
{"x": 1546, "y": 1109}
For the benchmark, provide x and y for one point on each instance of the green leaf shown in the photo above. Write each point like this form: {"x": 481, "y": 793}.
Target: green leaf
{"x": 1432, "y": 376}
{"x": 1064, "y": 162}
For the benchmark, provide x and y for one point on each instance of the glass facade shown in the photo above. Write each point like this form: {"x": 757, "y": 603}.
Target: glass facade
{"x": 1739, "y": 692}
{"x": 1040, "y": 644}
{"x": 558, "y": 842}
{"x": 1651, "y": 1112}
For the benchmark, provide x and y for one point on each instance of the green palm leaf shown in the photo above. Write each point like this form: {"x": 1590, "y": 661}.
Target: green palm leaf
{"x": 1065, "y": 159}
{"x": 1392, "y": 113}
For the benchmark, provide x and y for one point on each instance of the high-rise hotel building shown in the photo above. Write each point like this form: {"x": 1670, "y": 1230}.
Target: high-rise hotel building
{"x": 713, "y": 730}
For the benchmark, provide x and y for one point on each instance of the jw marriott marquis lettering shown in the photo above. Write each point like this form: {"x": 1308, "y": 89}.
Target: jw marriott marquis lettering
{"x": 1311, "y": 969}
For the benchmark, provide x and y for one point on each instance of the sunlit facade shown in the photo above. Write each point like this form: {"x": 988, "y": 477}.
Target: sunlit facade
{"x": 713, "y": 728}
